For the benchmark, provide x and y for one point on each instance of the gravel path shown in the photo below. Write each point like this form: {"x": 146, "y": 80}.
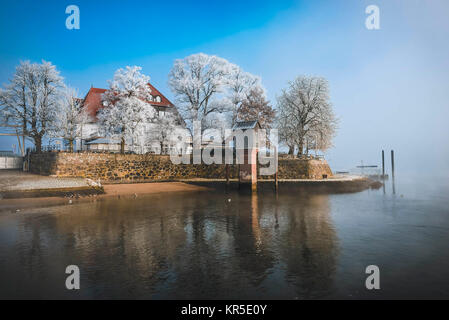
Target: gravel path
{"x": 19, "y": 180}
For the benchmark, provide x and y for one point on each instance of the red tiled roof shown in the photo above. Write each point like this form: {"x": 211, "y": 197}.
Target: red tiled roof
{"x": 93, "y": 100}
{"x": 164, "y": 101}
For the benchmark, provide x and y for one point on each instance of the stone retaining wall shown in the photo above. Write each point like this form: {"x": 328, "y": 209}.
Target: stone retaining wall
{"x": 117, "y": 167}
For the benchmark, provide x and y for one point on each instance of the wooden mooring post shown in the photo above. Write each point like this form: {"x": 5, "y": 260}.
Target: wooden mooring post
{"x": 248, "y": 169}
{"x": 276, "y": 186}
{"x": 392, "y": 170}
{"x": 383, "y": 165}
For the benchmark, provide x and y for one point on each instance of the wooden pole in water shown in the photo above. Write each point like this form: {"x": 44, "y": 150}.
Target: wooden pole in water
{"x": 276, "y": 181}
{"x": 240, "y": 180}
{"x": 276, "y": 172}
{"x": 383, "y": 164}
{"x": 392, "y": 170}
{"x": 392, "y": 164}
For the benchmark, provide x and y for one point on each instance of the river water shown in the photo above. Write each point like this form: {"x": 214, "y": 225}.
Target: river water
{"x": 212, "y": 245}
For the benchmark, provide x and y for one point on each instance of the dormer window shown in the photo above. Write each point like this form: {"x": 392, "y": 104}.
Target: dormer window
{"x": 158, "y": 99}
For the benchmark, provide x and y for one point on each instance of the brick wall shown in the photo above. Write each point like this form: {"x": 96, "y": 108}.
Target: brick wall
{"x": 117, "y": 167}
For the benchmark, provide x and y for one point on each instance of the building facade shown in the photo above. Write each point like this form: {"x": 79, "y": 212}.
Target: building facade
{"x": 168, "y": 132}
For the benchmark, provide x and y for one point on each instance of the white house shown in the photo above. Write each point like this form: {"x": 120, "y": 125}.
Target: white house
{"x": 147, "y": 139}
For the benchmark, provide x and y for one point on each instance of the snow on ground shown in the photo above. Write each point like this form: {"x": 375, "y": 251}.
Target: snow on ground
{"x": 19, "y": 180}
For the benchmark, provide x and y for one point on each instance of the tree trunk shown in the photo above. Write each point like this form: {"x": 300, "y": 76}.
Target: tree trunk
{"x": 81, "y": 139}
{"x": 38, "y": 143}
{"x": 291, "y": 149}
{"x": 300, "y": 149}
{"x": 24, "y": 129}
{"x": 71, "y": 145}
{"x": 122, "y": 146}
{"x": 23, "y": 145}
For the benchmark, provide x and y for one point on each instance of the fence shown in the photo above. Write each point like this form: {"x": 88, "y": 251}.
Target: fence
{"x": 11, "y": 162}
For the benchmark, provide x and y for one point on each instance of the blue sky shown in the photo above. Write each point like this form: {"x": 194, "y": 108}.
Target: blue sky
{"x": 389, "y": 87}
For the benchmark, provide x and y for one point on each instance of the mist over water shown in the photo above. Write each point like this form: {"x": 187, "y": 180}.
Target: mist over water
{"x": 201, "y": 245}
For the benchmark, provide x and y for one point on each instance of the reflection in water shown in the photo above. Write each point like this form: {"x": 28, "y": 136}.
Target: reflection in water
{"x": 311, "y": 253}
{"x": 179, "y": 246}
{"x": 216, "y": 245}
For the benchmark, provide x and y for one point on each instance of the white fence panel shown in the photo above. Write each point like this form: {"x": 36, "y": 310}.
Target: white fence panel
{"x": 11, "y": 162}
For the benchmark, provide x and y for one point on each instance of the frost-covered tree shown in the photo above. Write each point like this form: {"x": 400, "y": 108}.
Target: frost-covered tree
{"x": 163, "y": 129}
{"x": 255, "y": 106}
{"x": 198, "y": 82}
{"x": 71, "y": 117}
{"x": 31, "y": 100}
{"x": 218, "y": 128}
{"x": 240, "y": 86}
{"x": 286, "y": 130}
{"x": 126, "y": 105}
{"x": 208, "y": 88}
{"x": 320, "y": 136}
{"x": 305, "y": 112}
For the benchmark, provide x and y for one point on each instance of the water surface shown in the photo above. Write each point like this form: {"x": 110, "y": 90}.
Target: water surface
{"x": 212, "y": 245}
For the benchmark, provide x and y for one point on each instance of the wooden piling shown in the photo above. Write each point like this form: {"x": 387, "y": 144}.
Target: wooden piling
{"x": 276, "y": 181}
{"x": 383, "y": 178}
{"x": 392, "y": 170}
{"x": 276, "y": 173}
{"x": 392, "y": 164}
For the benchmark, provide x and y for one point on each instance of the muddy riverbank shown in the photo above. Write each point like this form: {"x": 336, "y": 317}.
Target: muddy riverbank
{"x": 19, "y": 200}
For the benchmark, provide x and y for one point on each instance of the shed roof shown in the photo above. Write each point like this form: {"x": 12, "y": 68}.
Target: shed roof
{"x": 103, "y": 141}
{"x": 244, "y": 125}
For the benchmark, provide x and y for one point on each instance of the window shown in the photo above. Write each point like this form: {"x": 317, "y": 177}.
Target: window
{"x": 158, "y": 99}
{"x": 161, "y": 111}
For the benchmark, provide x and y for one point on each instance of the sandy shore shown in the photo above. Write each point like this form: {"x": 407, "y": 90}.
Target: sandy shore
{"x": 115, "y": 190}
{"x": 17, "y": 180}
{"x": 148, "y": 188}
